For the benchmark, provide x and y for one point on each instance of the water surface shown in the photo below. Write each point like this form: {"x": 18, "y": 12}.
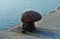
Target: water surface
{"x": 11, "y": 10}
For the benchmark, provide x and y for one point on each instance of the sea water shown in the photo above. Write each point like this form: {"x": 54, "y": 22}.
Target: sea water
{"x": 11, "y": 10}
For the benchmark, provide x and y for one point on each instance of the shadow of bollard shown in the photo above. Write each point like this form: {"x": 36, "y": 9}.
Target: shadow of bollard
{"x": 36, "y": 33}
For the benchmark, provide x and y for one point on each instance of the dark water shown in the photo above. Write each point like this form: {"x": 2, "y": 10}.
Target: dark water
{"x": 11, "y": 10}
